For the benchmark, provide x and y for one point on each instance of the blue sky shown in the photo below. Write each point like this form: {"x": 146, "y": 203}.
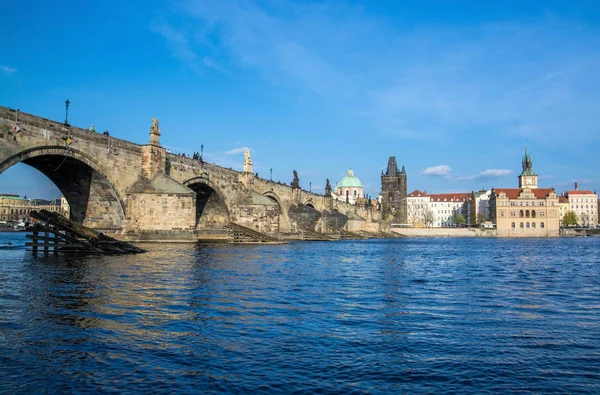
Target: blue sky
{"x": 453, "y": 89}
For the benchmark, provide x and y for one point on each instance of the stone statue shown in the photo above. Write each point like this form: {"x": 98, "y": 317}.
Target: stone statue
{"x": 327, "y": 188}
{"x": 154, "y": 132}
{"x": 247, "y": 161}
{"x": 296, "y": 181}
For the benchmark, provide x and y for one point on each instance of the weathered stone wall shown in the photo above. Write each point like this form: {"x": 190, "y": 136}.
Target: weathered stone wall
{"x": 303, "y": 217}
{"x": 147, "y": 213}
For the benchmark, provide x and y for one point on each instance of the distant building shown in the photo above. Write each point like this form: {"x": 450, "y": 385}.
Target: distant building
{"x": 527, "y": 211}
{"x": 349, "y": 189}
{"x": 584, "y": 204}
{"x": 477, "y": 207}
{"x": 435, "y": 210}
{"x": 445, "y": 205}
{"x": 419, "y": 214}
{"x": 15, "y": 208}
{"x": 393, "y": 193}
{"x": 564, "y": 206}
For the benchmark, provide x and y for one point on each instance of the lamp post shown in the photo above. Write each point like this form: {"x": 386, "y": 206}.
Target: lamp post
{"x": 67, "y": 112}
{"x": 271, "y": 174}
{"x": 201, "y": 152}
{"x": 310, "y": 186}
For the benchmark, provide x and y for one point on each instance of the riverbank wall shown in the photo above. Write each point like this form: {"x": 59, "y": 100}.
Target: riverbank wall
{"x": 445, "y": 232}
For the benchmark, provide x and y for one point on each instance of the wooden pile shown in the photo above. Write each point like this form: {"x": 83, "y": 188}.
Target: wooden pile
{"x": 55, "y": 233}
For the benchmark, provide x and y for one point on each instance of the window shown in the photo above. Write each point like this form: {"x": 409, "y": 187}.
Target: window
{"x": 542, "y": 213}
{"x": 521, "y": 225}
{"x": 542, "y": 225}
{"x": 532, "y": 213}
{"x": 512, "y": 225}
{"x": 355, "y": 192}
{"x": 527, "y": 213}
{"x": 502, "y": 213}
{"x": 527, "y": 225}
{"x": 513, "y": 213}
{"x": 521, "y": 214}
{"x": 513, "y": 203}
{"x": 533, "y": 225}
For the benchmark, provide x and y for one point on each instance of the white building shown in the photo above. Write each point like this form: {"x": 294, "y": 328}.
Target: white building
{"x": 435, "y": 210}
{"x": 585, "y": 205}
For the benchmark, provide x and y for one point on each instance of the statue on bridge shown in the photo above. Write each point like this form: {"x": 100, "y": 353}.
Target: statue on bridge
{"x": 296, "y": 181}
{"x": 154, "y": 132}
{"x": 247, "y": 161}
{"x": 327, "y": 188}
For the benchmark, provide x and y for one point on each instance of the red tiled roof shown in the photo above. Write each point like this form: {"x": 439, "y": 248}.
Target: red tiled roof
{"x": 417, "y": 193}
{"x": 563, "y": 199}
{"x": 578, "y": 192}
{"x": 450, "y": 197}
{"x": 513, "y": 193}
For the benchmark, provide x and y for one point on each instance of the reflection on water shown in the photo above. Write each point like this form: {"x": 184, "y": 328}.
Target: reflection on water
{"x": 410, "y": 315}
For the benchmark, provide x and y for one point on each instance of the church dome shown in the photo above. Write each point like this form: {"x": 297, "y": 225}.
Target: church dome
{"x": 349, "y": 181}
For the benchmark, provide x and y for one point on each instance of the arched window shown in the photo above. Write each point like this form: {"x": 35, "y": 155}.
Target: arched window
{"x": 527, "y": 225}
{"x": 527, "y": 213}
{"x": 542, "y": 225}
{"x": 355, "y": 192}
{"x": 521, "y": 213}
{"x": 533, "y": 225}
{"x": 521, "y": 225}
{"x": 532, "y": 213}
{"x": 512, "y": 225}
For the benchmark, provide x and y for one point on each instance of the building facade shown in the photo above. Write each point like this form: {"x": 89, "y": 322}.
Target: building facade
{"x": 584, "y": 204}
{"x": 477, "y": 207}
{"x": 15, "y": 208}
{"x": 527, "y": 211}
{"x": 435, "y": 209}
{"x": 393, "y": 193}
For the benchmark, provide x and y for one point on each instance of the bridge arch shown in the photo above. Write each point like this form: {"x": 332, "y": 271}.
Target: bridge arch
{"x": 212, "y": 211}
{"x": 92, "y": 196}
{"x": 284, "y": 219}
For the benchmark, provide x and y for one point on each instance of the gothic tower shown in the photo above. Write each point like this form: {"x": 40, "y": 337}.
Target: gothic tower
{"x": 528, "y": 179}
{"x": 393, "y": 193}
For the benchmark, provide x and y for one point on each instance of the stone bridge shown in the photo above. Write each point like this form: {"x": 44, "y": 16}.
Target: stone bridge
{"x": 143, "y": 192}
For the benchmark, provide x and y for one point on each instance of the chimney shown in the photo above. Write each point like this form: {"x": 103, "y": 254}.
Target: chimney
{"x": 576, "y": 186}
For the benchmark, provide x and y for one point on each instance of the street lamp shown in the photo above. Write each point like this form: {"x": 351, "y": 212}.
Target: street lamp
{"x": 201, "y": 152}
{"x": 67, "y": 112}
{"x": 271, "y": 174}
{"x": 310, "y": 186}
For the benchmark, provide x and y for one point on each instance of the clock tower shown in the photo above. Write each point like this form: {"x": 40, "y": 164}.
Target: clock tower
{"x": 527, "y": 179}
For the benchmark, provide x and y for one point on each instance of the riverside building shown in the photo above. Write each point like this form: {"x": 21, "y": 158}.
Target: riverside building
{"x": 527, "y": 211}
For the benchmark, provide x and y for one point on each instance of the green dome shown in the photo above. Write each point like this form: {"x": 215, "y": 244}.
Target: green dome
{"x": 349, "y": 181}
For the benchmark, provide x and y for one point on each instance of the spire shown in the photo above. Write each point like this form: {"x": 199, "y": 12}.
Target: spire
{"x": 527, "y": 164}
{"x": 392, "y": 167}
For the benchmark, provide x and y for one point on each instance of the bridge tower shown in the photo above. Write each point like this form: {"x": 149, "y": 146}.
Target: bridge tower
{"x": 393, "y": 193}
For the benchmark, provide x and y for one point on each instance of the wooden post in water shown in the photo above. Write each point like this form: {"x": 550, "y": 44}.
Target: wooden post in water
{"x": 34, "y": 244}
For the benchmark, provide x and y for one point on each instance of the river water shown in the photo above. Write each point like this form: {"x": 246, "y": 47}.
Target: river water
{"x": 373, "y": 316}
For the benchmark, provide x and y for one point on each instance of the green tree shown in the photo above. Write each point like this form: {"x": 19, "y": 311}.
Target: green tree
{"x": 457, "y": 218}
{"x": 570, "y": 218}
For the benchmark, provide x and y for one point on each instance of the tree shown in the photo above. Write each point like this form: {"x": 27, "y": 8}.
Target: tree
{"x": 481, "y": 218}
{"x": 570, "y": 218}
{"x": 457, "y": 218}
{"x": 428, "y": 216}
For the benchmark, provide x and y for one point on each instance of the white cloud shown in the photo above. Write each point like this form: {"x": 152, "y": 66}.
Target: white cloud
{"x": 7, "y": 70}
{"x": 441, "y": 170}
{"x": 489, "y": 174}
{"x": 237, "y": 151}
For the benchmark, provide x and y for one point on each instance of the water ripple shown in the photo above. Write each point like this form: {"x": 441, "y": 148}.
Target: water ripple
{"x": 376, "y": 316}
